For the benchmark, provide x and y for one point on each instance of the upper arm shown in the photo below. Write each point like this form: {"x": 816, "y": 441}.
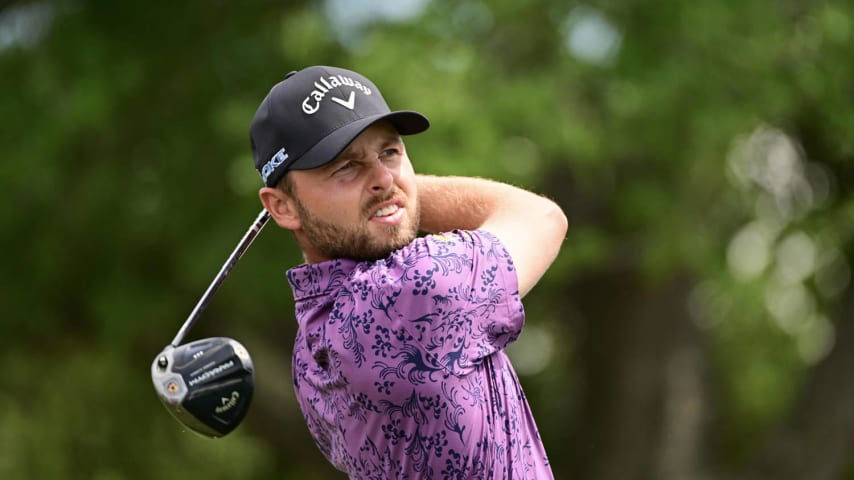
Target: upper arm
{"x": 532, "y": 228}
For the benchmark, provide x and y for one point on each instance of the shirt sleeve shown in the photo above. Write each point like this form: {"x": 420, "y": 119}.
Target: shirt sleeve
{"x": 457, "y": 297}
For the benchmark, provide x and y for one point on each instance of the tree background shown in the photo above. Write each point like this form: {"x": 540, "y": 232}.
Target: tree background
{"x": 698, "y": 324}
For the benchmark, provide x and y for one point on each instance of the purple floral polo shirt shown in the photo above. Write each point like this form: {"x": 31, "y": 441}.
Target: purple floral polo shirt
{"x": 399, "y": 366}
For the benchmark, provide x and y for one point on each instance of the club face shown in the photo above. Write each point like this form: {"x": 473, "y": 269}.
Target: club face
{"x": 206, "y": 384}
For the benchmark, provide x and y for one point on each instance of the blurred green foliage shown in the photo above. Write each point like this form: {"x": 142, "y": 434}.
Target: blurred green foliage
{"x": 701, "y": 150}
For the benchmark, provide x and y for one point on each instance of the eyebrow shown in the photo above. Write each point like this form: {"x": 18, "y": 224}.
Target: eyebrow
{"x": 347, "y": 154}
{"x": 389, "y": 139}
{"x": 350, "y": 154}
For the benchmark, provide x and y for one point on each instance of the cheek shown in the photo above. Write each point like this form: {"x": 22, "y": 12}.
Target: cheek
{"x": 328, "y": 207}
{"x": 406, "y": 167}
{"x": 406, "y": 177}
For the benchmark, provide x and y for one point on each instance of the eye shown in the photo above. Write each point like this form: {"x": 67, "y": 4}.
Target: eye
{"x": 344, "y": 167}
{"x": 391, "y": 152}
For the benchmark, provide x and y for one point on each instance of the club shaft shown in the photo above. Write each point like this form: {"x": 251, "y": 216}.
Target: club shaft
{"x": 244, "y": 243}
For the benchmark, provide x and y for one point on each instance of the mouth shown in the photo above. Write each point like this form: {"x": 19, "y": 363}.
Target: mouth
{"x": 386, "y": 211}
{"x": 389, "y": 213}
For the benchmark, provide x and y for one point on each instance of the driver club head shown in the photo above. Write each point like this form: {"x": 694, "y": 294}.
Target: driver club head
{"x": 206, "y": 384}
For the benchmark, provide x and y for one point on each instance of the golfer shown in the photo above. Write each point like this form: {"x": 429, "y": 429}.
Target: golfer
{"x": 398, "y": 364}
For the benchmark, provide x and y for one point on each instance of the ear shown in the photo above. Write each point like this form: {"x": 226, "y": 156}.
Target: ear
{"x": 281, "y": 207}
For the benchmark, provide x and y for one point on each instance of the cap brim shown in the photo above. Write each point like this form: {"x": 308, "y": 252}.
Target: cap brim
{"x": 406, "y": 122}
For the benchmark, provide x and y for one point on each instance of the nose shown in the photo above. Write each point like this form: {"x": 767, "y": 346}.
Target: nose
{"x": 382, "y": 178}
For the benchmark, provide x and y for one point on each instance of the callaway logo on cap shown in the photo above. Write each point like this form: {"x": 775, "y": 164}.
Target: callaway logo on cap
{"x": 311, "y": 116}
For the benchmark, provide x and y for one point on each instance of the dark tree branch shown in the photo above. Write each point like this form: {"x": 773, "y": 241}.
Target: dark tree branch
{"x": 817, "y": 439}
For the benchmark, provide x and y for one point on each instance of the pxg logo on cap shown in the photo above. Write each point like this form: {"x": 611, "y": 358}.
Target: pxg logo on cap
{"x": 308, "y": 118}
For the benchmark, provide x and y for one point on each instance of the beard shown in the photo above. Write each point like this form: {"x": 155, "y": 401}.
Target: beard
{"x": 357, "y": 242}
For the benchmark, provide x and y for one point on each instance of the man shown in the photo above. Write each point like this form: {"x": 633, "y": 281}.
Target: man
{"x": 398, "y": 363}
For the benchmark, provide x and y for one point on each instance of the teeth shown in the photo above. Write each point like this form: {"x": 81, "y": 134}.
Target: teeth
{"x": 386, "y": 211}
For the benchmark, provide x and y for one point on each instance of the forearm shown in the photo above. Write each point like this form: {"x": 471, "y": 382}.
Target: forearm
{"x": 469, "y": 203}
{"x": 464, "y": 203}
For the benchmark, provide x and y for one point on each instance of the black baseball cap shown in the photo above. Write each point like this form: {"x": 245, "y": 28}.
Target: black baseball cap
{"x": 311, "y": 116}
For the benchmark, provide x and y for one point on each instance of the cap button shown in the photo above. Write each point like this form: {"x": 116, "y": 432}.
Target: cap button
{"x": 291, "y": 74}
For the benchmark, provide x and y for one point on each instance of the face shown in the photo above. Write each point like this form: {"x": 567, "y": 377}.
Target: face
{"x": 362, "y": 205}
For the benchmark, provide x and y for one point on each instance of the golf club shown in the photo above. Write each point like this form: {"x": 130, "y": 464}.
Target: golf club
{"x": 207, "y": 384}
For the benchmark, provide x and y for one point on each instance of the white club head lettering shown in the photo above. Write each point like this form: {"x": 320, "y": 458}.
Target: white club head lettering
{"x": 210, "y": 374}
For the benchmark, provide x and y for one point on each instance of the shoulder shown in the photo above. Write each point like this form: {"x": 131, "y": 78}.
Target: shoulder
{"x": 449, "y": 254}
{"x": 461, "y": 245}
{"x": 454, "y": 242}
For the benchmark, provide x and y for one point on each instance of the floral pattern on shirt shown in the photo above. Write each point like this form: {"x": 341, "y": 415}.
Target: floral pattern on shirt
{"x": 399, "y": 366}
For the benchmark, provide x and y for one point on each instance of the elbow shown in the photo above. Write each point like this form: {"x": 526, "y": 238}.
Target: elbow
{"x": 564, "y": 223}
{"x": 557, "y": 221}
{"x": 556, "y": 226}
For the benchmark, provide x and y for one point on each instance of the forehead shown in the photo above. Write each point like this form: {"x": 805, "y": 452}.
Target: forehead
{"x": 378, "y": 134}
